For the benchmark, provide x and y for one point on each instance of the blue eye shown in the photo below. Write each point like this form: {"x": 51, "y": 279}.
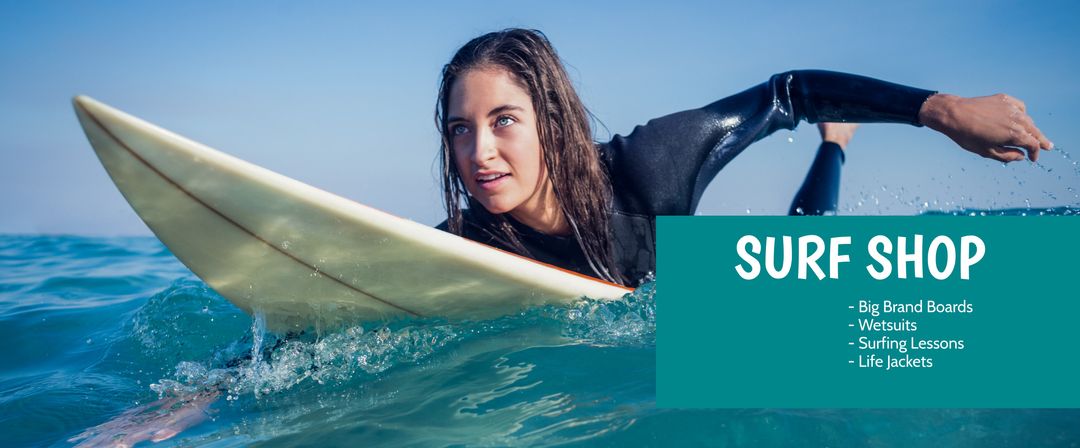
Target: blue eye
{"x": 505, "y": 120}
{"x": 458, "y": 129}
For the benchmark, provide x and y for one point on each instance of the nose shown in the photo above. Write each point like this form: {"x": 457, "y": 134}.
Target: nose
{"x": 484, "y": 146}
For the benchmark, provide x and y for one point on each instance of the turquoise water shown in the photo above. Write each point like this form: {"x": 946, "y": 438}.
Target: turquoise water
{"x": 95, "y": 327}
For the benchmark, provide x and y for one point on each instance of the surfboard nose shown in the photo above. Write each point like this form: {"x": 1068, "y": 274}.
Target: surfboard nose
{"x": 84, "y": 104}
{"x": 95, "y": 114}
{"x": 101, "y": 122}
{"x": 79, "y": 101}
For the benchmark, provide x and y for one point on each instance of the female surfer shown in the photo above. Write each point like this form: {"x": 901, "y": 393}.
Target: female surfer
{"x": 521, "y": 172}
{"x": 517, "y": 150}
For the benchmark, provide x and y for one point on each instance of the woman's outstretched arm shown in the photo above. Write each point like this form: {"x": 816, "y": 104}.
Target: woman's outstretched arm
{"x": 665, "y": 165}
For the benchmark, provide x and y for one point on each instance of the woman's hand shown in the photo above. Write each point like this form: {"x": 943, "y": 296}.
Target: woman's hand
{"x": 996, "y": 126}
{"x": 839, "y": 133}
{"x": 157, "y": 421}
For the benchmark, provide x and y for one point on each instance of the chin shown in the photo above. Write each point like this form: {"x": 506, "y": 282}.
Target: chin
{"x": 497, "y": 210}
{"x": 496, "y": 207}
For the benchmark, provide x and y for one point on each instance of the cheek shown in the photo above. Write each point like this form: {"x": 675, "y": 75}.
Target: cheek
{"x": 461, "y": 162}
{"x": 535, "y": 163}
{"x": 527, "y": 157}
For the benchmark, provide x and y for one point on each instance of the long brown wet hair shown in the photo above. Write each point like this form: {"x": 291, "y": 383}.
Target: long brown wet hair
{"x": 579, "y": 181}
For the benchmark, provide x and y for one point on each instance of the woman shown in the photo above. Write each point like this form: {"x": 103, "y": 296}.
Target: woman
{"x": 517, "y": 150}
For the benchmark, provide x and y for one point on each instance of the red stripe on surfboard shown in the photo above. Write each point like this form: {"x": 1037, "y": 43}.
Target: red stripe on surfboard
{"x": 230, "y": 220}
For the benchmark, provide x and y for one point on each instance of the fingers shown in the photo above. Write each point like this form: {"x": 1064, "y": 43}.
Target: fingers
{"x": 1006, "y": 154}
{"x": 1021, "y": 137}
{"x": 1044, "y": 142}
{"x": 1030, "y": 128}
{"x": 1031, "y": 144}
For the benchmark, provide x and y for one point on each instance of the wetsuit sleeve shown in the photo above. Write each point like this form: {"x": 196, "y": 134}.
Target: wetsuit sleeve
{"x": 663, "y": 167}
{"x": 821, "y": 188}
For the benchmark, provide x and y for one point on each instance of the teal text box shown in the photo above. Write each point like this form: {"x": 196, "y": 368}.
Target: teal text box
{"x": 727, "y": 342}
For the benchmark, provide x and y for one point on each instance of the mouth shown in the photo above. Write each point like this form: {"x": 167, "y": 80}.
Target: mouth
{"x": 490, "y": 180}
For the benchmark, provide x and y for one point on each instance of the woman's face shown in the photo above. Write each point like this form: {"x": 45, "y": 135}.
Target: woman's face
{"x": 492, "y": 126}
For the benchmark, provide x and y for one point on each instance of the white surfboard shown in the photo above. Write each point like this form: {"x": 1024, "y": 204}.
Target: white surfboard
{"x": 303, "y": 256}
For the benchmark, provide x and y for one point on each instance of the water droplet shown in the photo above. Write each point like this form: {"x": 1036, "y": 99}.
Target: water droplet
{"x": 285, "y": 244}
{"x": 790, "y": 140}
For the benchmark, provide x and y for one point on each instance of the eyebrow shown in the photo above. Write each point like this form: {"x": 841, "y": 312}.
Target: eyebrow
{"x": 495, "y": 111}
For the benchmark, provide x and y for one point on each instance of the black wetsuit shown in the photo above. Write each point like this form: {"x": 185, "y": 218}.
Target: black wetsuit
{"x": 663, "y": 167}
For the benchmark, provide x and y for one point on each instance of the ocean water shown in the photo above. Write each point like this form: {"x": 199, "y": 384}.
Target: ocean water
{"x": 114, "y": 340}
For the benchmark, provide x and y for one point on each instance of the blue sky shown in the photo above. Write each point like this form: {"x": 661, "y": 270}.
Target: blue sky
{"x": 341, "y": 94}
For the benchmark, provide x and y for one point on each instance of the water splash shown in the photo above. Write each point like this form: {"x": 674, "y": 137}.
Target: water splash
{"x": 276, "y": 364}
{"x": 1052, "y": 183}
